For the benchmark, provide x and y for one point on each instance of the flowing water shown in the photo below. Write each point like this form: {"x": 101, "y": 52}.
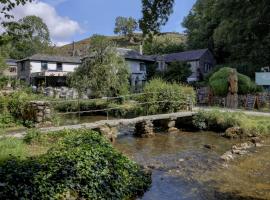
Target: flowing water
{"x": 184, "y": 169}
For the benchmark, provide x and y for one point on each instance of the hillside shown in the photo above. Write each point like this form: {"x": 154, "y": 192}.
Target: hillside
{"x": 121, "y": 41}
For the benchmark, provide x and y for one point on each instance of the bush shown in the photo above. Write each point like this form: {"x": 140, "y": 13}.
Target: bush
{"x": 163, "y": 97}
{"x": 82, "y": 166}
{"x": 219, "y": 83}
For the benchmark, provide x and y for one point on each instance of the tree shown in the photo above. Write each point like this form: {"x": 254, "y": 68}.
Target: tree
{"x": 104, "y": 72}
{"x": 8, "y": 5}
{"x": 163, "y": 45}
{"x": 238, "y": 32}
{"x": 155, "y": 14}
{"x": 177, "y": 72}
{"x": 29, "y": 35}
{"x": 125, "y": 26}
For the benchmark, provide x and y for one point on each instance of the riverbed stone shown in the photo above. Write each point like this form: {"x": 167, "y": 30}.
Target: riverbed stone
{"x": 233, "y": 133}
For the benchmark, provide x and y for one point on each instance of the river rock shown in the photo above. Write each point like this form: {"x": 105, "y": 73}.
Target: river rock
{"x": 234, "y": 132}
{"x": 209, "y": 146}
{"x": 227, "y": 156}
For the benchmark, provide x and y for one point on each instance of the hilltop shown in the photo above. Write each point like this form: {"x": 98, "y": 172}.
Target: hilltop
{"x": 121, "y": 41}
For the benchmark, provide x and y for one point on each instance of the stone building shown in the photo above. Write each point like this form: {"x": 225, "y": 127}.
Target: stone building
{"x": 201, "y": 61}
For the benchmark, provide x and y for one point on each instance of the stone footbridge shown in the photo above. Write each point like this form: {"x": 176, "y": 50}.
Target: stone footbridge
{"x": 144, "y": 126}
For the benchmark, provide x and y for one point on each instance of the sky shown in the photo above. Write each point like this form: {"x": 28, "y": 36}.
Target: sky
{"x": 74, "y": 20}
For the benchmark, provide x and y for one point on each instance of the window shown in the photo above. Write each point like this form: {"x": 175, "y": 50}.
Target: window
{"x": 59, "y": 67}
{"x": 44, "y": 66}
{"x": 12, "y": 70}
{"x": 142, "y": 67}
{"x": 207, "y": 67}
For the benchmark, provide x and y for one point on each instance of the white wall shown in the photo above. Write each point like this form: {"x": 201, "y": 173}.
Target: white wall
{"x": 36, "y": 66}
{"x": 69, "y": 67}
{"x": 136, "y": 74}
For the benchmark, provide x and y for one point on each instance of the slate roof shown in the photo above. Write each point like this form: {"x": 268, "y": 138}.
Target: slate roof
{"x": 50, "y": 58}
{"x": 11, "y": 62}
{"x": 133, "y": 55}
{"x": 185, "y": 56}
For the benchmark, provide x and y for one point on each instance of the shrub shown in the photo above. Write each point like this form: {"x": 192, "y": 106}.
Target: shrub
{"x": 219, "y": 83}
{"x": 82, "y": 166}
{"x": 19, "y": 107}
{"x": 163, "y": 97}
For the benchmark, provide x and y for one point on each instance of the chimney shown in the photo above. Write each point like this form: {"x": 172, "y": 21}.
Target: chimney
{"x": 141, "y": 48}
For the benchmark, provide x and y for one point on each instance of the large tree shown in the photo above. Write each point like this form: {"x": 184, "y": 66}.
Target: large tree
{"x": 104, "y": 71}
{"x": 29, "y": 35}
{"x": 125, "y": 26}
{"x": 238, "y": 32}
{"x": 155, "y": 14}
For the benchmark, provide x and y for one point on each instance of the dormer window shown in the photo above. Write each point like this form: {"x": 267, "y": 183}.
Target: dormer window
{"x": 59, "y": 67}
{"x": 44, "y": 66}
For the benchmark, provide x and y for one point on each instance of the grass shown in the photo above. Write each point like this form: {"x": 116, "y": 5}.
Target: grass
{"x": 220, "y": 121}
{"x": 13, "y": 147}
{"x": 34, "y": 144}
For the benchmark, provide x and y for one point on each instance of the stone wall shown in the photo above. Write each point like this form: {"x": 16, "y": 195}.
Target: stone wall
{"x": 42, "y": 111}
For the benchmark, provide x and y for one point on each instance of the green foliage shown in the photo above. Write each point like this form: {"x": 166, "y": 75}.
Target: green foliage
{"x": 124, "y": 42}
{"x": 29, "y": 36}
{"x": 163, "y": 97}
{"x": 219, "y": 83}
{"x": 7, "y": 6}
{"x": 177, "y": 72}
{"x": 163, "y": 44}
{"x": 125, "y": 26}
{"x": 3, "y": 81}
{"x": 155, "y": 14}
{"x": 83, "y": 105}
{"x": 220, "y": 121}
{"x": 236, "y": 31}
{"x": 83, "y": 165}
{"x": 104, "y": 72}
{"x": 18, "y": 106}
{"x": 15, "y": 109}
{"x": 7, "y": 120}
{"x": 9, "y": 147}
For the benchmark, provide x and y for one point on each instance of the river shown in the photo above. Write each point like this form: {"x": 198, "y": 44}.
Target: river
{"x": 183, "y": 168}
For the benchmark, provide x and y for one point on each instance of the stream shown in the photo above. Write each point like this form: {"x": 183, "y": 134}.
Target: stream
{"x": 183, "y": 168}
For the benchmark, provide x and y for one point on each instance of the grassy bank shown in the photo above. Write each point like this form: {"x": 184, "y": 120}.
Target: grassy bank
{"x": 234, "y": 124}
{"x": 77, "y": 164}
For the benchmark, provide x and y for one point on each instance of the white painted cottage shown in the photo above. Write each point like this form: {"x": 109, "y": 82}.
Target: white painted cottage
{"x": 138, "y": 64}
{"x": 46, "y": 70}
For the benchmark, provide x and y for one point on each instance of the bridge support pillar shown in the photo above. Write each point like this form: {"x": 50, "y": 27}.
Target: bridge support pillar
{"x": 108, "y": 131}
{"x": 169, "y": 124}
{"x": 144, "y": 129}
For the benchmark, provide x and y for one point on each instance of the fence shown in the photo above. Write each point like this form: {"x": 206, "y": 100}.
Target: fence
{"x": 259, "y": 101}
{"x": 127, "y": 106}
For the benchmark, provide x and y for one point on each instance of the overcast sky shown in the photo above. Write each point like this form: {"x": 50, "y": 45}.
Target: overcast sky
{"x": 73, "y": 20}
